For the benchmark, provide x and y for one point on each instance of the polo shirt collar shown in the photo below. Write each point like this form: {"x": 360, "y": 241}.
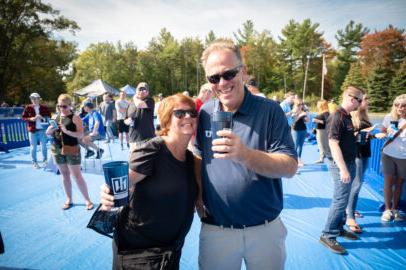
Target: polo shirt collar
{"x": 245, "y": 106}
{"x": 341, "y": 109}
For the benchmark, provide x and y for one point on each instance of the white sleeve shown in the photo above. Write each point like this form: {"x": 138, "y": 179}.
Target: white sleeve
{"x": 386, "y": 121}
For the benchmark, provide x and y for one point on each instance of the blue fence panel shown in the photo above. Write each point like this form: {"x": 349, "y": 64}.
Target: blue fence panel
{"x": 13, "y": 134}
{"x": 375, "y": 160}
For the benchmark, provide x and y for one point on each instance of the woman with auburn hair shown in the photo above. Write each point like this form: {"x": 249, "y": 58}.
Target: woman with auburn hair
{"x": 394, "y": 158}
{"x": 66, "y": 131}
{"x": 321, "y": 131}
{"x": 299, "y": 128}
{"x": 163, "y": 191}
{"x": 362, "y": 129}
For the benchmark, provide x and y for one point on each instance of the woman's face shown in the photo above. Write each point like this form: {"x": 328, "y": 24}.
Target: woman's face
{"x": 183, "y": 120}
{"x": 364, "y": 103}
{"x": 400, "y": 107}
{"x": 63, "y": 107}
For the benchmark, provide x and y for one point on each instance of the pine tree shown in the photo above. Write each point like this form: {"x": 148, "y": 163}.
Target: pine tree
{"x": 354, "y": 77}
{"x": 398, "y": 85}
{"x": 378, "y": 89}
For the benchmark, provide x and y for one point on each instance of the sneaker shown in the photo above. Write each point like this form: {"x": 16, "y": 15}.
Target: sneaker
{"x": 397, "y": 216}
{"x": 319, "y": 161}
{"x": 332, "y": 244}
{"x": 35, "y": 165}
{"x": 89, "y": 153}
{"x": 99, "y": 153}
{"x": 349, "y": 235}
{"x": 387, "y": 216}
{"x": 45, "y": 163}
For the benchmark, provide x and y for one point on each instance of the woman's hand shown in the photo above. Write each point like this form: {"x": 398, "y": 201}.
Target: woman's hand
{"x": 380, "y": 135}
{"x": 106, "y": 199}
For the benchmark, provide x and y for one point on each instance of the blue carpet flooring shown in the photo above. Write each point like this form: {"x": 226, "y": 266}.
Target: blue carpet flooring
{"x": 39, "y": 235}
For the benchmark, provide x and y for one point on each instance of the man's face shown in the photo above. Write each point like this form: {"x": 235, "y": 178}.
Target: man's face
{"x": 35, "y": 100}
{"x": 106, "y": 98}
{"x": 229, "y": 92}
{"x": 142, "y": 92}
{"x": 122, "y": 95}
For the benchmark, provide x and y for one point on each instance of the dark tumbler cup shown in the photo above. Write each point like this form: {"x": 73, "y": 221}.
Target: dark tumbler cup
{"x": 362, "y": 137}
{"x": 116, "y": 177}
{"x": 221, "y": 120}
{"x": 395, "y": 124}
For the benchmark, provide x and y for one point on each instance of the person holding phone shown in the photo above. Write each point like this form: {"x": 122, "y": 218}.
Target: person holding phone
{"x": 66, "y": 129}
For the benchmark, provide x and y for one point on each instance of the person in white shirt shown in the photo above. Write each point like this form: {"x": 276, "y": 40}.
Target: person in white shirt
{"x": 394, "y": 158}
{"x": 121, "y": 109}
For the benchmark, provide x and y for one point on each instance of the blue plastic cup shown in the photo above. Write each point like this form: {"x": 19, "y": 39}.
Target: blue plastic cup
{"x": 116, "y": 177}
{"x": 221, "y": 120}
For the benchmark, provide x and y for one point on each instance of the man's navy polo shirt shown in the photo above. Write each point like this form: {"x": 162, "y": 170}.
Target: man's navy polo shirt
{"x": 233, "y": 194}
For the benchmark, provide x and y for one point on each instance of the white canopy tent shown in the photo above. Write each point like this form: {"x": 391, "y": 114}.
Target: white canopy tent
{"x": 96, "y": 88}
{"x": 129, "y": 90}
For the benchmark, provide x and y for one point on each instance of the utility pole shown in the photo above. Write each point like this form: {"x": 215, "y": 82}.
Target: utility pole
{"x": 323, "y": 72}
{"x": 305, "y": 78}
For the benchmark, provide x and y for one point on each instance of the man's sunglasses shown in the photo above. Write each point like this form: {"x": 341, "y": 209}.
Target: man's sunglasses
{"x": 62, "y": 106}
{"x": 356, "y": 98}
{"x": 228, "y": 75}
{"x": 182, "y": 113}
{"x": 142, "y": 89}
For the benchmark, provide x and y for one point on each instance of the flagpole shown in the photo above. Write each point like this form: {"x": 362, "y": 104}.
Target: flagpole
{"x": 322, "y": 77}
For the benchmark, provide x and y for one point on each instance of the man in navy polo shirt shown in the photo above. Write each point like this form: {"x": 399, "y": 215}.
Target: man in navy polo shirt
{"x": 242, "y": 170}
{"x": 343, "y": 149}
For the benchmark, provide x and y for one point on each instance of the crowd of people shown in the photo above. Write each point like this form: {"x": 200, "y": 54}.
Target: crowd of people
{"x": 240, "y": 210}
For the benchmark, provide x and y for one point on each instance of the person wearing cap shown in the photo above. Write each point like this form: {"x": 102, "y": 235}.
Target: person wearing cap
{"x": 205, "y": 94}
{"x": 253, "y": 88}
{"x": 37, "y": 115}
{"x": 140, "y": 115}
{"x": 96, "y": 131}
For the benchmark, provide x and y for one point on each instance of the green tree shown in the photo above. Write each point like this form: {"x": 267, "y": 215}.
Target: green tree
{"x": 300, "y": 42}
{"x": 209, "y": 38}
{"x": 379, "y": 89}
{"x": 349, "y": 40}
{"x": 29, "y": 59}
{"x": 354, "y": 77}
{"x": 398, "y": 85}
{"x": 245, "y": 35}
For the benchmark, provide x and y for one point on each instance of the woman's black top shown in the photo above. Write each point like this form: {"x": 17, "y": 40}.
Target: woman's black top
{"x": 299, "y": 123}
{"x": 323, "y": 117}
{"x": 364, "y": 150}
{"x": 60, "y": 137}
{"x": 161, "y": 209}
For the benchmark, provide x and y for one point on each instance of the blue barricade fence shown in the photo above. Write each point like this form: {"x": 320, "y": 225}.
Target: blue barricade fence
{"x": 13, "y": 134}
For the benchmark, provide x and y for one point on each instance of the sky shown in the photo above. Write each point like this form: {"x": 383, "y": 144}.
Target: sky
{"x": 139, "y": 21}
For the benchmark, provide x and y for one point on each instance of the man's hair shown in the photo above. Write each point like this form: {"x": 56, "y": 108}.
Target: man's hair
{"x": 219, "y": 45}
{"x": 289, "y": 94}
{"x": 354, "y": 91}
{"x": 65, "y": 98}
{"x": 166, "y": 108}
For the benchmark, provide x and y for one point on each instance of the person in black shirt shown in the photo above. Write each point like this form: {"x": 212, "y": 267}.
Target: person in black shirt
{"x": 342, "y": 167}
{"x": 362, "y": 127}
{"x": 140, "y": 115}
{"x": 321, "y": 132}
{"x": 299, "y": 129}
{"x": 164, "y": 187}
{"x": 66, "y": 151}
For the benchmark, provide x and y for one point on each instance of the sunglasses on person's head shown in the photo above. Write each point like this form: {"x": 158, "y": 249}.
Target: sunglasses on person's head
{"x": 228, "y": 75}
{"x": 182, "y": 113}
{"x": 62, "y": 106}
{"x": 356, "y": 98}
{"x": 401, "y": 105}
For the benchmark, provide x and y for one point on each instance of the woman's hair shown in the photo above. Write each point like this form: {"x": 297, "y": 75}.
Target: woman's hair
{"x": 298, "y": 102}
{"x": 166, "y": 108}
{"x": 65, "y": 98}
{"x": 219, "y": 45}
{"x": 398, "y": 99}
{"x": 322, "y": 106}
{"x": 359, "y": 115}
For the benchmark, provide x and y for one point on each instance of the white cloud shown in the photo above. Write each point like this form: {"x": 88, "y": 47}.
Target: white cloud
{"x": 140, "y": 21}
